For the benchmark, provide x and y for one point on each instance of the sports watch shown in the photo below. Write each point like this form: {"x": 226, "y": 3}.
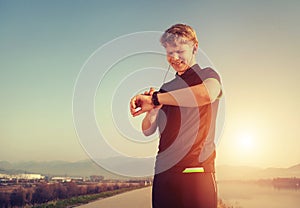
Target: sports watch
{"x": 154, "y": 99}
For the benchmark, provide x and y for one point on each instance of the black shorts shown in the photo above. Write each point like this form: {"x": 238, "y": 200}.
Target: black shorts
{"x": 184, "y": 190}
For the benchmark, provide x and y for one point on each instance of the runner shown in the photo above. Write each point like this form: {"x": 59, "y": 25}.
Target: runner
{"x": 184, "y": 111}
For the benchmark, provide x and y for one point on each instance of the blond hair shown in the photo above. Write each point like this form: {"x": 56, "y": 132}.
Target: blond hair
{"x": 179, "y": 33}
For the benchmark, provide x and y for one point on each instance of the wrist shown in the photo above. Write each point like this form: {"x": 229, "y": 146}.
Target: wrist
{"x": 154, "y": 99}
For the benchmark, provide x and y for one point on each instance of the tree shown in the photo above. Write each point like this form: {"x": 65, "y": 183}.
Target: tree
{"x": 60, "y": 191}
{"x": 4, "y": 199}
{"x": 82, "y": 190}
{"x": 43, "y": 193}
{"x": 91, "y": 189}
{"x": 18, "y": 197}
{"x": 72, "y": 189}
{"x": 28, "y": 196}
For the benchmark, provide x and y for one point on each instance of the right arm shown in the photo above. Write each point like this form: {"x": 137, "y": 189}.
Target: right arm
{"x": 149, "y": 124}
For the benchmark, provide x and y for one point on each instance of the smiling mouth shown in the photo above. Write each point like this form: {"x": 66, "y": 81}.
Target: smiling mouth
{"x": 177, "y": 63}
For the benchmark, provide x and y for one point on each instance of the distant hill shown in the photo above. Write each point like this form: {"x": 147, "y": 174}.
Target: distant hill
{"x": 87, "y": 168}
{"x": 81, "y": 168}
{"x": 4, "y": 165}
{"x": 57, "y": 168}
{"x": 253, "y": 173}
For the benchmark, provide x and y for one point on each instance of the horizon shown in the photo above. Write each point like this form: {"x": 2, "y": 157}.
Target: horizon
{"x": 45, "y": 47}
{"x": 87, "y": 168}
{"x": 93, "y": 162}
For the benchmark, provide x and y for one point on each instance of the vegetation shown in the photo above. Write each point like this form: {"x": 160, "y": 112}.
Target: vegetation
{"x": 61, "y": 194}
{"x": 81, "y": 199}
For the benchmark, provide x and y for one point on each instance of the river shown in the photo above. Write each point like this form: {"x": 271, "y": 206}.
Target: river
{"x": 251, "y": 195}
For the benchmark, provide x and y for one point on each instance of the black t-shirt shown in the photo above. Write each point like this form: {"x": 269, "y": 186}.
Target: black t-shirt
{"x": 187, "y": 133}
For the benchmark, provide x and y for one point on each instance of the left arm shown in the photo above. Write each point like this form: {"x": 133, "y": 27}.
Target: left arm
{"x": 198, "y": 95}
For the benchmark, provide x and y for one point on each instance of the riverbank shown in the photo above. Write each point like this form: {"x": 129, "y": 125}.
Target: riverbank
{"x": 139, "y": 198}
{"x": 84, "y": 199}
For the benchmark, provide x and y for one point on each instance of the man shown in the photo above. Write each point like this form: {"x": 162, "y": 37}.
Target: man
{"x": 184, "y": 110}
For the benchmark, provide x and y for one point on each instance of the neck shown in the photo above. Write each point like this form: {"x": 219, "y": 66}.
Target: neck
{"x": 192, "y": 63}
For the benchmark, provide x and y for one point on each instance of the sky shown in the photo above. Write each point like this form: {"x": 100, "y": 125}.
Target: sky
{"x": 46, "y": 45}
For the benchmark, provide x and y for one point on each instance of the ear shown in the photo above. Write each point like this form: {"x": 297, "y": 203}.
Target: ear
{"x": 195, "y": 48}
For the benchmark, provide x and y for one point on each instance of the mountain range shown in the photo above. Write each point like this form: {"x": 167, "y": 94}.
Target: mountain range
{"x": 82, "y": 168}
{"x": 87, "y": 168}
{"x": 226, "y": 172}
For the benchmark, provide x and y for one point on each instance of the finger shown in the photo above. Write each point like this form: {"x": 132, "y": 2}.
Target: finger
{"x": 139, "y": 112}
{"x": 133, "y": 110}
{"x": 133, "y": 102}
{"x": 151, "y": 91}
{"x": 132, "y": 105}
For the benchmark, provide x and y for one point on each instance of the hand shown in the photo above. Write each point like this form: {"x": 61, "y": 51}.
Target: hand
{"x": 143, "y": 102}
{"x": 150, "y": 92}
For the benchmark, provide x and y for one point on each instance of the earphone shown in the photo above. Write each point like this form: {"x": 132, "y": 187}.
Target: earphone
{"x": 166, "y": 74}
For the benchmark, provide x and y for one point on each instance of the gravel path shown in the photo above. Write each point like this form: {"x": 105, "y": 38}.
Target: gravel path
{"x": 140, "y": 198}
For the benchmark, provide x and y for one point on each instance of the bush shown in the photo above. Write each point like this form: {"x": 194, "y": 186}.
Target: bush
{"x": 4, "y": 199}
{"x": 60, "y": 194}
{"x": 18, "y": 197}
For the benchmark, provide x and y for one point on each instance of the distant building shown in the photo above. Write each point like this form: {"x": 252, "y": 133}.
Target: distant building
{"x": 66, "y": 179}
{"x": 96, "y": 178}
{"x": 16, "y": 178}
{"x": 4, "y": 176}
{"x": 25, "y": 176}
{"x": 29, "y": 176}
{"x": 61, "y": 179}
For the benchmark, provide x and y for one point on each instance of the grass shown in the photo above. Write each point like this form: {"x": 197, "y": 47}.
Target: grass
{"x": 76, "y": 201}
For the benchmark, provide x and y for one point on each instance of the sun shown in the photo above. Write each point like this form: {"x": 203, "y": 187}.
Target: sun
{"x": 245, "y": 142}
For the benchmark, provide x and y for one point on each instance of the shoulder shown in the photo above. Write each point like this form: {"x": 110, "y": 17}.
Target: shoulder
{"x": 168, "y": 86}
{"x": 207, "y": 73}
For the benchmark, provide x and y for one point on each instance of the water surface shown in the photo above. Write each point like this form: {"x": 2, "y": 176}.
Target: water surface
{"x": 251, "y": 195}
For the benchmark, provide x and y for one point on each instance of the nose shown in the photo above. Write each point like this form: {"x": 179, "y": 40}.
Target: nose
{"x": 175, "y": 57}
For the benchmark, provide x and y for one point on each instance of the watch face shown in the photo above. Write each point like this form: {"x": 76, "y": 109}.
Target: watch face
{"x": 155, "y": 99}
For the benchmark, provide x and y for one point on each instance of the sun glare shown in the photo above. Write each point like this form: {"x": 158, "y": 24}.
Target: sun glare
{"x": 245, "y": 142}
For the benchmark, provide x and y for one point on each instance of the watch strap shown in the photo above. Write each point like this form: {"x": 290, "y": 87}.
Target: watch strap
{"x": 154, "y": 99}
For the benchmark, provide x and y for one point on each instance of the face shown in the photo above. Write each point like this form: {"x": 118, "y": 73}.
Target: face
{"x": 180, "y": 56}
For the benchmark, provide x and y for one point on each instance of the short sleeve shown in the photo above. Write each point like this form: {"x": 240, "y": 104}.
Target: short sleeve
{"x": 210, "y": 73}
